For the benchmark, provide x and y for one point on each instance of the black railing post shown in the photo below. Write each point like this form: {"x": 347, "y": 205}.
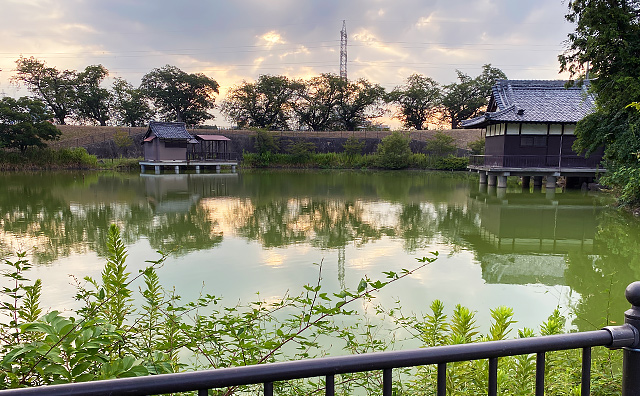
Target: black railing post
{"x": 631, "y": 357}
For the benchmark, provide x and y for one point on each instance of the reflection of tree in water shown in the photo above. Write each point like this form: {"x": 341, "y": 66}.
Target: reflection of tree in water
{"x": 602, "y": 279}
{"x": 71, "y": 213}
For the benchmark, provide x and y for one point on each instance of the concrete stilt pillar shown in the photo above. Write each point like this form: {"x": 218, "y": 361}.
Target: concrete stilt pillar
{"x": 158, "y": 169}
{"x": 551, "y": 182}
{"x": 550, "y": 193}
{"x": 177, "y": 169}
{"x": 502, "y": 181}
{"x": 491, "y": 190}
{"x": 217, "y": 168}
{"x": 233, "y": 168}
{"x": 501, "y": 193}
{"x": 526, "y": 182}
{"x": 483, "y": 178}
{"x": 197, "y": 168}
{"x": 493, "y": 179}
{"x": 483, "y": 188}
{"x": 537, "y": 183}
{"x": 142, "y": 169}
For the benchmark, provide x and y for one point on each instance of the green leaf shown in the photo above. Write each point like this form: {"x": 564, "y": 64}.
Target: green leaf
{"x": 362, "y": 286}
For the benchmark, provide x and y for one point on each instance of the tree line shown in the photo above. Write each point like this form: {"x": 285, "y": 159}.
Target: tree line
{"x": 274, "y": 102}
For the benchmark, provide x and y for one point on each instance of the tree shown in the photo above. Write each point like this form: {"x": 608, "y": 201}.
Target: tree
{"x": 92, "y": 101}
{"x": 56, "y": 88}
{"x": 469, "y": 97}
{"x": 266, "y": 103}
{"x": 129, "y": 106}
{"x": 394, "y": 151}
{"x": 418, "y": 99}
{"x": 358, "y": 102}
{"x": 179, "y": 96}
{"x": 24, "y": 123}
{"x": 607, "y": 38}
{"x": 316, "y": 102}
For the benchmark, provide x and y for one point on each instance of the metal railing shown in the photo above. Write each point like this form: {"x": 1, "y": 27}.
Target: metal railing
{"x": 535, "y": 161}
{"x": 625, "y": 336}
{"x": 211, "y": 156}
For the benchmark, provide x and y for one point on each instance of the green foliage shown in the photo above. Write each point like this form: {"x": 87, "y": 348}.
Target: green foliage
{"x": 301, "y": 151}
{"x": 56, "y": 88}
{"x": 418, "y": 99}
{"x": 180, "y": 96}
{"x": 477, "y": 147}
{"x": 264, "y": 142}
{"x": 353, "y": 146}
{"x": 469, "y": 97}
{"x": 25, "y": 123}
{"x": 393, "y": 152}
{"x": 128, "y": 105}
{"x": 441, "y": 144}
{"x": 92, "y": 101}
{"x": 607, "y": 38}
{"x": 122, "y": 139}
{"x": 266, "y": 103}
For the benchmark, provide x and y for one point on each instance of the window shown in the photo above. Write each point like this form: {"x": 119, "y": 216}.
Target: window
{"x": 175, "y": 143}
{"x": 533, "y": 141}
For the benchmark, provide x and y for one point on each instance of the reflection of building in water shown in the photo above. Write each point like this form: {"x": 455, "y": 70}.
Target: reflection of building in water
{"x": 514, "y": 233}
{"x": 177, "y": 193}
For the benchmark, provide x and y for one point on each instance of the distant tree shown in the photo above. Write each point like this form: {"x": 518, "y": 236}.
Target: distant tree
{"x": 469, "y": 97}
{"x": 316, "y": 102}
{"x": 418, "y": 99}
{"x": 56, "y": 88}
{"x": 266, "y": 103}
{"x": 91, "y": 100}
{"x": 179, "y": 96}
{"x": 353, "y": 146}
{"x": 441, "y": 144}
{"x": 24, "y": 123}
{"x": 357, "y": 103}
{"x": 129, "y": 106}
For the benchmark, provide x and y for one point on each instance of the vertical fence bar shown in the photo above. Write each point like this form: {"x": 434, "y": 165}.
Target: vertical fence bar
{"x": 387, "y": 382}
{"x": 330, "y": 385}
{"x": 441, "y": 385}
{"x": 493, "y": 377}
{"x": 540, "y": 374}
{"x": 631, "y": 355}
{"x": 586, "y": 372}
{"x": 268, "y": 389}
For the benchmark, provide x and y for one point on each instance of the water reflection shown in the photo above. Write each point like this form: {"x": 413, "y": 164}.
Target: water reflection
{"x": 518, "y": 238}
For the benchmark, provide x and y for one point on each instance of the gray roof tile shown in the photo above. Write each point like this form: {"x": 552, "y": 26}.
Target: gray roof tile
{"x": 534, "y": 101}
{"x": 168, "y": 130}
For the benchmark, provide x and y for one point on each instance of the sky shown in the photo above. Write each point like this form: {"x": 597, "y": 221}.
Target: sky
{"x": 239, "y": 40}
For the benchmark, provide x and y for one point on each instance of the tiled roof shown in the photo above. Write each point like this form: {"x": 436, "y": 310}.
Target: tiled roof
{"x": 168, "y": 130}
{"x": 534, "y": 101}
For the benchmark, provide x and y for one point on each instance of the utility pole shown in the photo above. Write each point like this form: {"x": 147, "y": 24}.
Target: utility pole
{"x": 343, "y": 51}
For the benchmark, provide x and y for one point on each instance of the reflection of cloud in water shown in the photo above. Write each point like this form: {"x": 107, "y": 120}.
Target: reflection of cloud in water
{"x": 273, "y": 259}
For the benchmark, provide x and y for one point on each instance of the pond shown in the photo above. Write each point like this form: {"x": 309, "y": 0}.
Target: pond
{"x": 268, "y": 232}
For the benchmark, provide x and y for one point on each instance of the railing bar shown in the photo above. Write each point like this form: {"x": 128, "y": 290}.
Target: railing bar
{"x": 268, "y": 389}
{"x": 442, "y": 379}
{"x": 540, "y": 363}
{"x": 330, "y": 385}
{"x": 387, "y": 382}
{"x": 586, "y": 372}
{"x": 493, "y": 377}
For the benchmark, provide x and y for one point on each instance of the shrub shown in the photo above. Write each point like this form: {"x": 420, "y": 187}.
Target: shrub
{"x": 477, "y": 147}
{"x": 353, "y": 146}
{"x": 441, "y": 144}
{"x": 264, "y": 142}
{"x": 393, "y": 152}
{"x": 301, "y": 150}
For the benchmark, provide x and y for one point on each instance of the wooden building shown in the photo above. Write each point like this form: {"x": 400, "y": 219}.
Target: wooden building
{"x": 169, "y": 144}
{"x": 529, "y": 131}
{"x": 166, "y": 141}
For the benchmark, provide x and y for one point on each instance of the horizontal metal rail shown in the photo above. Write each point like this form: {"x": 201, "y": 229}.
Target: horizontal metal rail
{"x": 535, "y": 161}
{"x": 619, "y": 336}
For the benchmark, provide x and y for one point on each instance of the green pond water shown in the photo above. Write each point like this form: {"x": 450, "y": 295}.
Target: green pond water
{"x": 235, "y": 235}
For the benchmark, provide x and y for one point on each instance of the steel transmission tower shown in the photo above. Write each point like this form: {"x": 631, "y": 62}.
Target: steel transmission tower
{"x": 343, "y": 51}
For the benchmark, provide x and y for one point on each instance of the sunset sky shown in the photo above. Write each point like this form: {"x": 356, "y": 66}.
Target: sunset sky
{"x": 231, "y": 41}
